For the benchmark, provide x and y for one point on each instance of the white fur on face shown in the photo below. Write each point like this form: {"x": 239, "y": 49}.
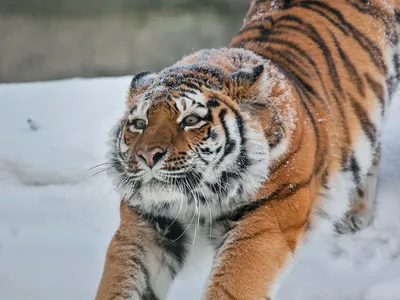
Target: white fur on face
{"x": 222, "y": 183}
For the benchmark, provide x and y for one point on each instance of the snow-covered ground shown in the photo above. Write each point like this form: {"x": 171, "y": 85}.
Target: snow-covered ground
{"x": 56, "y": 218}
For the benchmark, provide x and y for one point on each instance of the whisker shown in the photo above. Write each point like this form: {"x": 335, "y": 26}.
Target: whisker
{"x": 99, "y": 165}
{"x": 180, "y": 206}
{"x": 208, "y": 205}
{"x": 209, "y": 208}
{"x": 85, "y": 181}
{"x": 183, "y": 233}
{"x": 98, "y": 172}
{"x": 174, "y": 172}
{"x": 196, "y": 228}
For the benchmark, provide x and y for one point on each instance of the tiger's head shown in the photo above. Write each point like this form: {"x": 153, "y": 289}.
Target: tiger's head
{"x": 189, "y": 134}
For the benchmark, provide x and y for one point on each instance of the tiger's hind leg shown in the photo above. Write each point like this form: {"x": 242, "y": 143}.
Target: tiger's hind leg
{"x": 362, "y": 208}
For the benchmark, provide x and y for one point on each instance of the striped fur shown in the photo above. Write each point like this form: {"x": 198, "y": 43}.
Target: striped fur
{"x": 283, "y": 140}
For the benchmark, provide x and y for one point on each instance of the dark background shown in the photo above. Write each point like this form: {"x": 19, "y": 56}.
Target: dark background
{"x": 53, "y": 39}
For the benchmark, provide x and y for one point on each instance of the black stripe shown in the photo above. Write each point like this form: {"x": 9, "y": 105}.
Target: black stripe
{"x": 171, "y": 237}
{"x": 355, "y": 169}
{"x": 351, "y": 70}
{"x": 125, "y": 295}
{"x": 136, "y": 262}
{"x": 199, "y": 154}
{"x": 283, "y": 191}
{"x": 325, "y": 179}
{"x": 360, "y": 192}
{"x": 211, "y": 134}
{"x": 397, "y": 16}
{"x": 206, "y": 150}
{"x": 212, "y": 103}
{"x": 185, "y": 95}
{"x": 367, "y": 126}
{"x": 149, "y": 295}
{"x": 213, "y": 71}
{"x": 287, "y": 4}
{"x": 263, "y": 29}
{"x": 229, "y": 144}
{"x": 133, "y": 109}
{"x": 192, "y": 86}
{"x": 343, "y": 118}
{"x": 361, "y": 7}
{"x": 310, "y": 116}
{"x": 393, "y": 81}
{"x": 378, "y": 90}
{"x": 344, "y": 160}
{"x": 185, "y": 91}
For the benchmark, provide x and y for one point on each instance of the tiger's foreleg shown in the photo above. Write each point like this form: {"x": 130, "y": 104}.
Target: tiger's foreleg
{"x": 363, "y": 204}
{"x": 257, "y": 253}
{"x": 142, "y": 259}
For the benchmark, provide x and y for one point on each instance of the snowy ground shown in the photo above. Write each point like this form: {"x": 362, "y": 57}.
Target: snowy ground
{"x": 56, "y": 220}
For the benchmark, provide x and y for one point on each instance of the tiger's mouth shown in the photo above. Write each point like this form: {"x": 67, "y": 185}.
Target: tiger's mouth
{"x": 185, "y": 181}
{"x": 150, "y": 192}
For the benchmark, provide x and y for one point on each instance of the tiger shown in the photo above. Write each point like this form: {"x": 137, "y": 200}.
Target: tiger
{"x": 255, "y": 146}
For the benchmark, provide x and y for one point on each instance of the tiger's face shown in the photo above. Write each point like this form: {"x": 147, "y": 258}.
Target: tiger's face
{"x": 185, "y": 139}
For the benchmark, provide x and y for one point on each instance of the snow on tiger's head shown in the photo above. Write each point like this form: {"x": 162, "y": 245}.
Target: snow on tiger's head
{"x": 185, "y": 137}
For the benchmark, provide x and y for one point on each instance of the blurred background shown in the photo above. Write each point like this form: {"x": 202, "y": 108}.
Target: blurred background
{"x": 54, "y": 39}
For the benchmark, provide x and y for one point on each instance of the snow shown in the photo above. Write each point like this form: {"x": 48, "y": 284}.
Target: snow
{"x": 56, "y": 218}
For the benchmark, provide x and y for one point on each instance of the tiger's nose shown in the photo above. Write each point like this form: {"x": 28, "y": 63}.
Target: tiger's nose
{"x": 151, "y": 156}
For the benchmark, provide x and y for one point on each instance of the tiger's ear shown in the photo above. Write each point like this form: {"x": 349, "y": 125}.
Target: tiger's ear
{"x": 242, "y": 83}
{"x": 140, "y": 81}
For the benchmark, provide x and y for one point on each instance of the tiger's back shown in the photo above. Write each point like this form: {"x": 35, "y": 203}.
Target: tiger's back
{"x": 343, "y": 59}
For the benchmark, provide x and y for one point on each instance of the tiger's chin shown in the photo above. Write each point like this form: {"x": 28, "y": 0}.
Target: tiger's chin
{"x": 155, "y": 192}
{"x": 158, "y": 193}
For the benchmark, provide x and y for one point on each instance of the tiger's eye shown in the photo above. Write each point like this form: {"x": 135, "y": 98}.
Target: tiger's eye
{"x": 139, "y": 124}
{"x": 191, "y": 120}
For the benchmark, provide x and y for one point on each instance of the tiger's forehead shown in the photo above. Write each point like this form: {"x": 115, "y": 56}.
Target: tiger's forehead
{"x": 192, "y": 104}
{"x": 178, "y": 105}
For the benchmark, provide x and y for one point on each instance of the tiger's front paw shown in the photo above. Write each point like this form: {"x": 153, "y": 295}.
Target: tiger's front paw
{"x": 353, "y": 221}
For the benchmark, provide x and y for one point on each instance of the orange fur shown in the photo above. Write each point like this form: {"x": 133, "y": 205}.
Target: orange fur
{"x": 335, "y": 59}
{"x": 131, "y": 238}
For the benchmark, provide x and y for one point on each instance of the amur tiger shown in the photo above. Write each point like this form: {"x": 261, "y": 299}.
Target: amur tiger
{"x": 254, "y": 147}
